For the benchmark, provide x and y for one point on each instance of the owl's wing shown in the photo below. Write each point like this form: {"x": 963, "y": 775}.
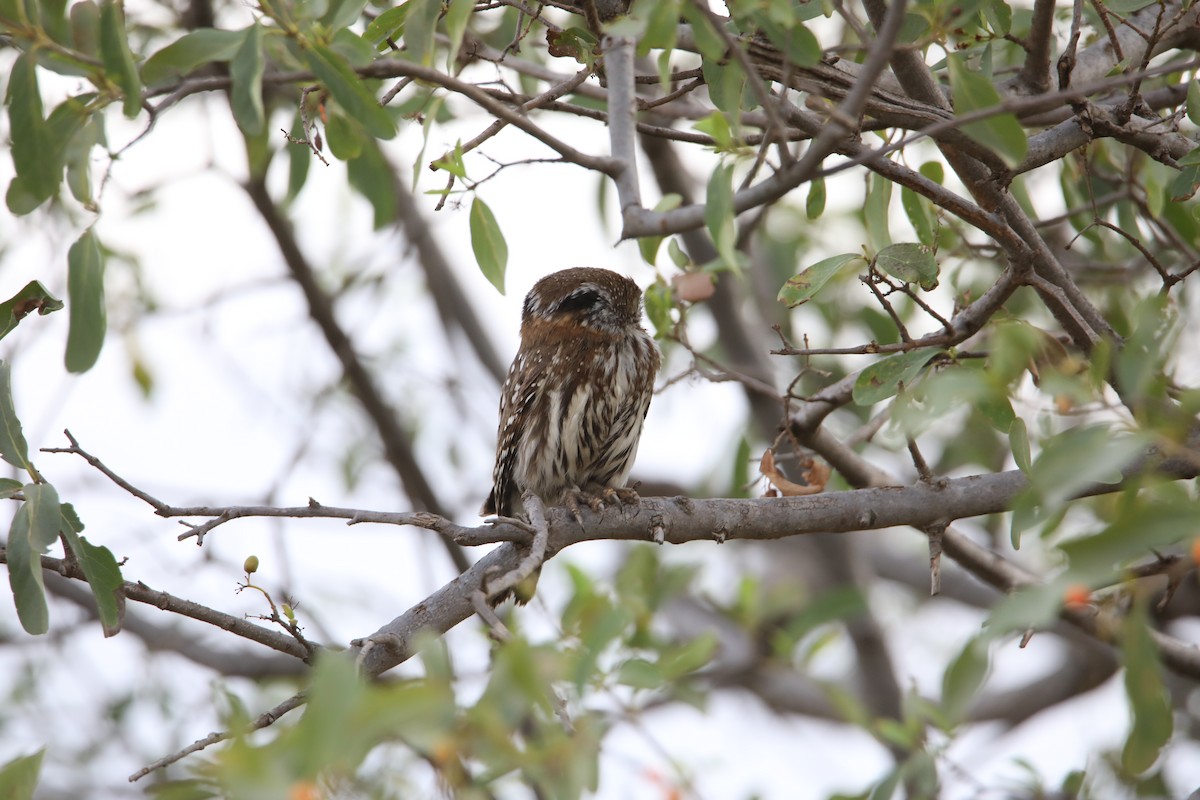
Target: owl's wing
{"x": 520, "y": 391}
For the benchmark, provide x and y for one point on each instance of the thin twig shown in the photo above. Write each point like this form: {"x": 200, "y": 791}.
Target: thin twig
{"x": 141, "y": 593}
{"x": 553, "y": 93}
{"x": 263, "y": 720}
{"x": 511, "y": 531}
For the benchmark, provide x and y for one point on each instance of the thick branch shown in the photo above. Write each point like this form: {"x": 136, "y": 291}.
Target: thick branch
{"x": 1035, "y": 72}
{"x": 622, "y": 117}
{"x": 683, "y": 520}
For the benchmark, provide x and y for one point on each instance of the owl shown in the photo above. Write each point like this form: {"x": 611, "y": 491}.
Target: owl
{"x": 572, "y": 406}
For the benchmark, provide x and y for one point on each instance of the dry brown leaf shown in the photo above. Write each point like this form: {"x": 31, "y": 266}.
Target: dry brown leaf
{"x": 693, "y": 287}
{"x": 815, "y": 473}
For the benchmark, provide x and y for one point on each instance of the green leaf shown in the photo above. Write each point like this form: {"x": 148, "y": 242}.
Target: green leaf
{"x": 32, "y": 148}
{"x": 192, "y": 50}
{"x": 387, "y": 25}
{"x": 920, "y": 215}
{"x": 33, "y": 297}
{"x": 457, "y": 15}
{"x": 371, "y": 175}
{"x": 661, "y": 24}
{"x": 678, "y": 257}
{"x": 101, "y": 570}
{"x": 1076, "y": 458}
{"x": 577, "y": 43}
{"x": 716, "y": 125}
{"x": 299, "y": 160}
{"x": 886, "y": 787}
{"x": 452, "y": 161}
{"x": 648, "y": 245}
{"x": 85, "y": 27}
{"x": 344, "y": 136}
{"x": 78, "y": 158}
{"x": 639, "y": 673}
{"x": 1184, "y": 185}
{"x": 973, "y": 91}
{"x": 876, "y": 211}
{"x": 419, "y": 29}
{"x": 718, "y": 214}
{"x": 1126, "y": 6}
{"x": 814, "y": 204}
{"x": 34, "y": 528}
{"x": 1192, "y": 157}
{"x": 999, "y": 16}
{"x": 882, "y": 379}
{"x": 487, "y": 241}
{"x": 964, "y": 677}
{"x": 14, "y": 10}
{"x": 1031, "y": 607}
{"x": 19, "y": 199}
{"x": 1018, "y": 440}
{"x": 343, "y": 13}
{"x": 796, "y": 42}
{"x": 708, "y": 40}
{"x": 1148, "y": 699}
{"x": 687, "y": 658}
{"x": 348, "y": 89}
{"x": 726, "y": 85}
{"x": 604, "y": 625}
{"x": 246, "y": 72}
{"x": 19, "y": 777}
{"x": 997, "y": 410}
{"x": 10, "y": 487}
{"x": 911, "y": 263}
{"x": 118, "y": 60}
{"x": 1139, "y": 530}
{"x": 832, "y": 605}
{"x": 803, "y": 287}
{"x": 85, "y": 293}
{"x": 39, "y": 179}
{"x": 13, "y": 447}
{"x": 658, "y": 300}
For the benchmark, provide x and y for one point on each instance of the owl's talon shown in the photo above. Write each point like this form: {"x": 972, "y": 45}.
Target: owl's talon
{"x": 625, "y": 495}
{"x": 575, "y": 499}
{"x": 516, "y": 522}
{"x": 572, "y": 505}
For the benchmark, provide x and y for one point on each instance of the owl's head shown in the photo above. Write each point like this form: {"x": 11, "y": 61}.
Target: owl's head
{"x": 595, "y": 299}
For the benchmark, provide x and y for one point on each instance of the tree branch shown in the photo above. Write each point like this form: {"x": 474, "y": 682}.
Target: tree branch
{"x": 155, "y": 637}
{"x": 141, "y": 593}
{"x": 683, "y": 520}
{"x": 1034, "y": 76}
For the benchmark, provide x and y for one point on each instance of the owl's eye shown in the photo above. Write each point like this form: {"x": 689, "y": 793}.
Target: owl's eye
{"x": 578, "y": 300}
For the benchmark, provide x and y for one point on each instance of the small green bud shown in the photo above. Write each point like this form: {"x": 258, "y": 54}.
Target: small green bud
{"x": 251, "y": 565}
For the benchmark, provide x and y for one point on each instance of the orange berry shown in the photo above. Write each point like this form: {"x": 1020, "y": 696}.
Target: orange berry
{"x": 1196, "y": 550}
{"x": 304, "y": 790}
{"x": 1077, "y": 596}
{"x": 443, "y": 751}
